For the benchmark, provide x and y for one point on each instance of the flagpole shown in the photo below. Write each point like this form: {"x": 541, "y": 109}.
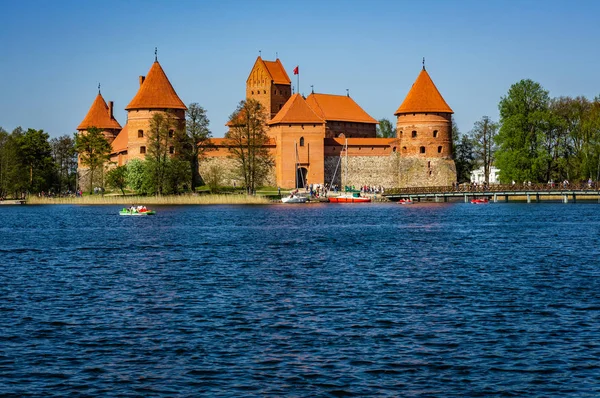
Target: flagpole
{"x": 298, "y": 80}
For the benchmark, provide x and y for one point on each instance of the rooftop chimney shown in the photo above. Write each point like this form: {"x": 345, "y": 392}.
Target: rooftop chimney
{"x": 142, "y": 78}
{"x": 110, "y": 109}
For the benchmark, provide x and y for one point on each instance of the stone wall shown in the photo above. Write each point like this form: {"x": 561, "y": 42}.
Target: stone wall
{"x": 389, "y": 171}
{"x": 227, "y": 167}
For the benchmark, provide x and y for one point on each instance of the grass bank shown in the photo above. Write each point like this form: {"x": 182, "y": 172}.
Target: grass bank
{"x": 153, "y": 200}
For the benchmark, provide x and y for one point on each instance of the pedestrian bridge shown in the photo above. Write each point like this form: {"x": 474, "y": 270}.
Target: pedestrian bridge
{"x": 496, "y": 193}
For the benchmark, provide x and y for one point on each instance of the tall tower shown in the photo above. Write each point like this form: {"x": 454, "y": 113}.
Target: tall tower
{"x": 269, "y": 84}
{"x": 424, "y": 130}
{"x": 155, "y": 95}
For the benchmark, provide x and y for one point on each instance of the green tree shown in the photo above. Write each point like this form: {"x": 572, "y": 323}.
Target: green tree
{"x": 65, "y": 161}
{"x": 483, "y": 137}
{"x": 117, "y": 178}
{"x": 464, "y": 157}
{"x": 15, "y": 178}
{"x": 214, "y": 177}
{"x": 94, "y": 151}
{"x": 36, "y": 155}
{"x": 524, "y": 116}
{"x": 137, "y": 176}
{"x": 178, "y": 175}
{"x": 247, "y": 142}
{"x": 195, "y": 141}
{"x": 161, "y": 144}
{"x": 385, "y": 129}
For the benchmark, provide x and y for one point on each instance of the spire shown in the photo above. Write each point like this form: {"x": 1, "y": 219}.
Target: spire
{"x": 423, "y": 97}
{"x": 347, "y": 93}
{"x": 423, "y": 63}
{"x": 99, "y": 116}
{"x": 98, "y": 88}
{"x": 156, "y": 92}
{"x": 155, "y": 54}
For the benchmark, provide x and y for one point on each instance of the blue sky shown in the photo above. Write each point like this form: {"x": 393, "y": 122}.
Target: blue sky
{"x": 53, "y": 54}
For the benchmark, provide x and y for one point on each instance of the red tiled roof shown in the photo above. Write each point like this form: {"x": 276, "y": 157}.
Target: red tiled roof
{"x": 121, "y": 141}
{"x": 99, "y": 116}
{"x": 296, "y": 110}
{"x": 274, "y": 69}
{"x": 338, "y": 108}
{"x": 423, "y": 97}
{"x": 156, "y": 92}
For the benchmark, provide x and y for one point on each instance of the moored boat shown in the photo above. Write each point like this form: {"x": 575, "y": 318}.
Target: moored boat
{"x": 479, "y": 201}
{"x": 349, "y": 198}
{"x": 405, "y": 202}
{"x": 294, "y": 199}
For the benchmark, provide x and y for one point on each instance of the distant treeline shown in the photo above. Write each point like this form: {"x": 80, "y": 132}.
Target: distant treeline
{"x": 31, "y": 162}
{"x": 537, "y": 139}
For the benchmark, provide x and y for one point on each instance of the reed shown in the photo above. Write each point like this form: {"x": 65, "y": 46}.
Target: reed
{"x": 153, "y": 200}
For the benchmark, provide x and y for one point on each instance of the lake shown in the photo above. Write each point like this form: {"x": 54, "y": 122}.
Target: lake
{"x": 301, "y": 300}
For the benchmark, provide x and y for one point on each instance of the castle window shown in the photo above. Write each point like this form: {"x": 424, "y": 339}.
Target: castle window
{"x": 264, "y": 91}
{"x": 414, "y": 133}
{"x": 429, "y": 164}
{"x": 170, "y": 133}
{"x": 400, "y": 132}
{"x": 171, "y": 150}
{"x": 142, "y": 149}
{"x": 435, "y": 133}
{"x": 439, "y": 149}
{"x": 404, "y": 149}
{"x": 422, "y": 149}
{"x": 301, "y": 141}
{"x": 140, "y": 133}
{"x": 394, "y": 149}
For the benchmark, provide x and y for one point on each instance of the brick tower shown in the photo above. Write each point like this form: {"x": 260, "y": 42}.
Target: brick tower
{"x": 269, "y": 84}
{"x": 155, "y": 95}
{"x": 424, "y": 131}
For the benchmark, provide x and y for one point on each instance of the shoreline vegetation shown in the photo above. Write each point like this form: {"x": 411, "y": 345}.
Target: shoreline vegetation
{"x": 165, "y": 200}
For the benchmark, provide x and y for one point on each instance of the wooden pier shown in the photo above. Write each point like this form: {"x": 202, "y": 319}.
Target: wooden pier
{"x": 496, "y": 193}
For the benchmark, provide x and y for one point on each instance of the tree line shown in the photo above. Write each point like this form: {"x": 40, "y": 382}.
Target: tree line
{"x": 32, "y": 163}
{"x": 537, "y": 139}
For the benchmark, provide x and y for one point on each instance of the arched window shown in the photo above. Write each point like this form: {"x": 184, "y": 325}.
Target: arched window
{"x": 394, "y": 149}
{"x": 252, "y": 92}
{"x": 142, "y": 149}
{"x": 439, "y": 149}
{"x": 171, "y": 132}
{"x": 301, "y": 141}
{"x": 140, "y": 133}
{"x": 171, "y": 150}
{"x": 400, "y": 132}
{"x": 435, "y": 133}
{"x": 414, "y": 133}
{"x": 422, "y": 149}
{"x": 404, "y": 149}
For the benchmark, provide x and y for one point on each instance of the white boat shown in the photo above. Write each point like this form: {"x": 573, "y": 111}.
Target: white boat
{"x": 294, "y": 199}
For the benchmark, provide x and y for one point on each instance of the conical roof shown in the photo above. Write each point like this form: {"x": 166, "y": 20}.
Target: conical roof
{"x": 423, "y": 97}
{"x": 156, "y": 92}
{"x": 99, "y": 116}
{"x": 296, "y": 110}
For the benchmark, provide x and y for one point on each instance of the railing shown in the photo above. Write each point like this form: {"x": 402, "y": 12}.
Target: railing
{"x": 539, "y": 187}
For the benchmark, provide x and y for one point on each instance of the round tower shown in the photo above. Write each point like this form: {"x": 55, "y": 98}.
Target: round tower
{"x": 424, "y": 131}
{"x": 155, "y": 95}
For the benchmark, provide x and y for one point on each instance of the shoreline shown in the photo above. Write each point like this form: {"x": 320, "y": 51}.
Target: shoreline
{"x": 152, "y": 200}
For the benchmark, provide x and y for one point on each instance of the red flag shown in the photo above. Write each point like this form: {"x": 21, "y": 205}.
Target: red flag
{"x": 296, "y": 70}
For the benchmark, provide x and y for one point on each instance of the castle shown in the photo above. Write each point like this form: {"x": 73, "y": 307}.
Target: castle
{"x": 323, "y": 138}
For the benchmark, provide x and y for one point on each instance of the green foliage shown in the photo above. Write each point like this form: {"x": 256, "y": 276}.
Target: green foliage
{"x": 195, "y": 141}
{"x": 464, "y": 157}
{"x": 524, "y": 112}
{"x": 213, "y": 178}
{"x": 65, "y": 161}
{"x": 178, "y": 176}
{"x": 247, "y": 140}
{"x": 94, "y": 151}
{"x": 483, "y": 137}
{"x": 136, "y": 176}
{"x": 386, "y": 129}
{"x": 117, "y": 178}
{"x": 161, "y": 144}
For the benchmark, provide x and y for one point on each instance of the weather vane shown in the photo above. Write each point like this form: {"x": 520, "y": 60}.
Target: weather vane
{"x": 98, "y": 88}
{"x": 423, "y": 63}
{"x": 155, "y": 54}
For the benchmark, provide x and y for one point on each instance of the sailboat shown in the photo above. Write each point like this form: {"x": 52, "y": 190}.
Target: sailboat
{"x": 294, "y": 197}
{"x": 347, "y": 197}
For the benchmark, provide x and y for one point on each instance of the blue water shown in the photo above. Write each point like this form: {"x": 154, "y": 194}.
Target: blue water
{"x": 305, "y": 301}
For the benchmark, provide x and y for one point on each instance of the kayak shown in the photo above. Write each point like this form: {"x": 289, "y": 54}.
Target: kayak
{"x": 126, "y": 212}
